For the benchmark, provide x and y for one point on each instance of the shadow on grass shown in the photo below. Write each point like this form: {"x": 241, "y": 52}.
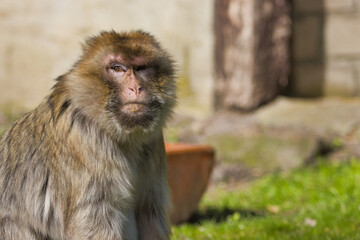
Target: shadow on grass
{"x": 220, "y": 215}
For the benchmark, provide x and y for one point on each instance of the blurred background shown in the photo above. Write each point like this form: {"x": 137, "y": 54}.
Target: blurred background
{"x": 41, "y": 40}
{"x": 272, "y": 85}
{"x": 232, "y": 54}
{"x": 306, "y": 48}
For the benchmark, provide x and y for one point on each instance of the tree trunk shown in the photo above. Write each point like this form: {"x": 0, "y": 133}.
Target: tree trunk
{"x": 252, "y": 54}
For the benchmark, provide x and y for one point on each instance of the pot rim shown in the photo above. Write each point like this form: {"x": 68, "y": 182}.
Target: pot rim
{"x": 176, "y": 148}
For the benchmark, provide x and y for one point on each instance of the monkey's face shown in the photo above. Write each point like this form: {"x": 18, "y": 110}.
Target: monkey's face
{"x": 139, "y": 77}
{"x": 136, "y": 98}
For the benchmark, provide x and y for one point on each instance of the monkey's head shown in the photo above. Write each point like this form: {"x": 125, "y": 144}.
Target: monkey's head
{"x": 125, "y": 81}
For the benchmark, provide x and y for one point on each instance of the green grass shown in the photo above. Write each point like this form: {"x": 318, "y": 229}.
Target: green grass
{"x": 319, "y": 202}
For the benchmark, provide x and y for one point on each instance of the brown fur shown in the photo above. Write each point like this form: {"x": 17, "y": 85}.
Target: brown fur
{"x": 83, "y": 164}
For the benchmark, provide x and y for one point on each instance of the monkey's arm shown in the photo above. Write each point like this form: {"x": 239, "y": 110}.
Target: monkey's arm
{"x": 152, "y": 212}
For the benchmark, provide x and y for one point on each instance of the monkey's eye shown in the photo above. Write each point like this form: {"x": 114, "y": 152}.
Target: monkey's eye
{"x": 145, "y": 70}
{"x": 140, "y": 68}
{"x": 119, "y": 68}
{"x": 116, "y": 68}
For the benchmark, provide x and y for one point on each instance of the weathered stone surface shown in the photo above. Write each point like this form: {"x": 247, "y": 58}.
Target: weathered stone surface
{"x": 328, "y": 117}
{"x": 318, "y": 6}
{"x": 41, "y": 39}
{"x": 266, "y": 150}
{"x": 234, "y": 38}
{"x": 342, "y": 34}
{"x": 285, "y": 134}
{"x": 309, "y": 80}
{"x": 255, "y": 149}
{"x": 252, "y": 51}
{"x": 326, "y": 39}
{"x": 340, "y": 79}
{"x": 339, "y": 6}
{"x": 307, "y": 38}
{"x": 308, "y": 43}
{"x": 357, "y": 77}
{"x": 308, "y": 5}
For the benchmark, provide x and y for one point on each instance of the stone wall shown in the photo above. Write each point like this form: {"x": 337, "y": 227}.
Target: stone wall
{"x": 326, "y": 48}
{"x": 40, "y": 40}
{"x": 252, "y": 56}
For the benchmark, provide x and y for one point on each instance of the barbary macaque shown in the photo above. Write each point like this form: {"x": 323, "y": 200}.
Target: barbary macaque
{"x": 89, "y": 162}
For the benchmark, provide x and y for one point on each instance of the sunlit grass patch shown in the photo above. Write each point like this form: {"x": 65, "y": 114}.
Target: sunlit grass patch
{"x": 320, "y": 202}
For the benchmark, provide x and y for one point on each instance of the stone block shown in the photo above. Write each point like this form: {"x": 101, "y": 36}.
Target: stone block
{"x": 339, "y": 79}
{"x": 33, "y": 57}
{"x": 339, "y": 6}
{"x": 308, "y": 80}
{"x": 252, "y": 51}
{"x": 342, "y": 35}
{"x": 302, "y": 6}
{"x": 49, "y": 33}
{"x": 357, "y": 77}
{"x": 307, "y": 37}
{"x": 243, "y": 140}
{"x": 327, "y": 117}
{"x": 266, "y": 151}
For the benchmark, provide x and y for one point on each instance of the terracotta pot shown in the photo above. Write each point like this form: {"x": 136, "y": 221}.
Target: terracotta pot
{"x": 189, "y": 169}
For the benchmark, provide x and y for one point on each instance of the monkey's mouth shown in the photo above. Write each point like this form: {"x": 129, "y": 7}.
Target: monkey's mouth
{"x": 133, "y": 108}
{"x": 140, "y": 114}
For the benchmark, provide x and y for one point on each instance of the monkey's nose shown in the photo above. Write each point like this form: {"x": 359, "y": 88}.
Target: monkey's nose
{"x": 135, "y": 90}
